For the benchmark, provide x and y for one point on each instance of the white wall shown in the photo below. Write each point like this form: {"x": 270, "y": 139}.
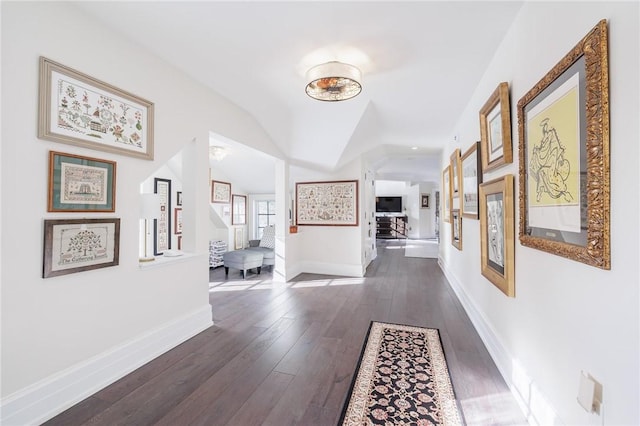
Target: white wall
{"x": 53, "y": 328}
{"x": 333, "y": 250}
{"x": 566, "y": 316}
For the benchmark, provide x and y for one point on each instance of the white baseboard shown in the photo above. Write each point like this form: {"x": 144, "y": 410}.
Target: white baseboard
{"x": 43, "y": 400}
{"x": 501, "y": 357}
{"x": 326, "y": 268}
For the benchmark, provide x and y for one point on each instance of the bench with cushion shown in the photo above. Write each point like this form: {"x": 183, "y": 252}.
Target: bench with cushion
{"x": 243, "y": 260}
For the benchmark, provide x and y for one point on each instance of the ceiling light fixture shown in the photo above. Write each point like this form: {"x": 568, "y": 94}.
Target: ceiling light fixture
{"x": 333, "y": 81}
{"x": 217, "y": 152}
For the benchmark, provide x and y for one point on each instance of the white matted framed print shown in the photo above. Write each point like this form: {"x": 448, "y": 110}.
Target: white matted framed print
{"x": 80, "y": 110}
{"x": 220, "y": 192}
{"x": 495, "y": 129}
{"x": 162, "y": 225}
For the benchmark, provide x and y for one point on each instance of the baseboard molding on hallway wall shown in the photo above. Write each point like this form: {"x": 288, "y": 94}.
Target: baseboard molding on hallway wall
{"x": 46, "y": 399}
{"x": 500, "y": 355}
{"x": 325, "y": 268}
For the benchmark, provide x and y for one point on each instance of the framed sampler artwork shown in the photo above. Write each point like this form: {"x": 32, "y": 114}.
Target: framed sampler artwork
{"x": 162, "y": 225}
{"x": 77, "y": 245}
{"x": 563, "y": 125}
{"x": 238, "y": 238}
{"x": 471, "y": 177}
{"x": 497, "y": 241}
{"x": 81, "y": 184}
{"x": 332, "y": 203}
{"x": 495, "y": 129}
{"x": 220, "y": 192}
{"x": 80, "y": 110}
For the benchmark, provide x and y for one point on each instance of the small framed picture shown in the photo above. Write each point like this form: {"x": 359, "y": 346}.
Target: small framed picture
{"x": 220, "y": 192}
{"x": 497, "y": 233}
{"x": 178, "y": 198}
{"x": 424, "y": 201}
{"x": 81, "y": 184}
{"x": 238, "y": 239}
{"x": 77, "y": 245}
{"x": 446, "y": 194}
{"x": 238, "y": 209}
{"x": 456, "y": 229}
{"x": 177, "y": 220}
{"x": 471, "y": 171}
{"x": 455, "y": 174}
{"x": 495, "y": 129}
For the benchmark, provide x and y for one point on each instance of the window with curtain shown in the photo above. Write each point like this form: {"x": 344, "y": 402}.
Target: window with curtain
{"x": 265, "y": 215}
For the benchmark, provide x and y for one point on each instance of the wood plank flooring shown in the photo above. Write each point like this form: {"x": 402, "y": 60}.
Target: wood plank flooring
{"x": 284, "y": 353}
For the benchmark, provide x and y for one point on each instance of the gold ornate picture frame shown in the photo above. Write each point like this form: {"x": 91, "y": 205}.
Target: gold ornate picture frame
{"x": 497, "y": 233}
{"x": 495, "y": 129}
{"x": 471, "y": 171}
{"x": 563, "y": 126}
{"x": 456, "y": 181}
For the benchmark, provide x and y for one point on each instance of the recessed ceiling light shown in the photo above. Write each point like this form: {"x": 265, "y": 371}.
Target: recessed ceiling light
{"x": 414, "y": 148}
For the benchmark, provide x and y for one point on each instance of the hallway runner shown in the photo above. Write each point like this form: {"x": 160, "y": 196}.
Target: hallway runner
{"x": 402, "y": 378}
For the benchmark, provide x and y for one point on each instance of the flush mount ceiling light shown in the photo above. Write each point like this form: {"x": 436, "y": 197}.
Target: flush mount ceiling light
{"x": 217, "y": 152}
{"x": 333, "y": 81}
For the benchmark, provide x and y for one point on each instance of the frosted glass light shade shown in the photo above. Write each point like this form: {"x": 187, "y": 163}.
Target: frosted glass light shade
{"x": 333, "y": 81}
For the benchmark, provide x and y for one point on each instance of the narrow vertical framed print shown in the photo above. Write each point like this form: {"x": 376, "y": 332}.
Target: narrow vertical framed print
{"x": 162, "y": 225}
{"x": 446, "y": 194}
{"x": 471, "y": 167}
{"x": 238, "y": 209}
{"x": 455, "y": 174}
{"x": 497, "y": 232}
{"x": 456, "y": 229}
{"x": 563, "y": 124}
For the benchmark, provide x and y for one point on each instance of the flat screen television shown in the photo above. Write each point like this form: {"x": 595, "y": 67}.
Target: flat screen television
{"x": 389, "y": 204}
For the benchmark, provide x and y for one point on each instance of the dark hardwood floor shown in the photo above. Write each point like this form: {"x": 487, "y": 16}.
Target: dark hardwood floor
{"x": 284, "y": 353}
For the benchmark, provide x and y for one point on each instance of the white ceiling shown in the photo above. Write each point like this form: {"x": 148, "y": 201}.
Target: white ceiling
{"x": 420, "y": 61}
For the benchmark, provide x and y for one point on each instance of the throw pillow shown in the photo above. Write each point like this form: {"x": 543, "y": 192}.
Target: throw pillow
{"x": 268, "y": 239}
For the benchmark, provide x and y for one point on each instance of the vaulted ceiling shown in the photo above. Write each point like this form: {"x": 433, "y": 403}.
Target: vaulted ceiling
{"x": 420, "y": 61}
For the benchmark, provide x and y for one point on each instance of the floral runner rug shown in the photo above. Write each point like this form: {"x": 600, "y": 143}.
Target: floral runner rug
{"x": 402, "y": 378}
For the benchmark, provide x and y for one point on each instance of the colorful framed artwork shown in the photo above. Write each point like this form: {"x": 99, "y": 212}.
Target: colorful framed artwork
{"x": 495, "y": 129}
{"x": 471, "y": 177}
{"x": 497, "y": 240}
{"x": 220, "y": 192}
{"x": 178, "y": 198}
{"x": 238, "y": 239}
{"x": 162, "y": 225}
{"x": 238, "y": 209}
{"x": 80, "y": 110}
{"x": 446, "y": 194}
{"x": 81, "y": 184}
{"x": 424, "y": 201}
{"x": 455, "y": 174}
{"x": 177, "y": 220}
{"x": 563, "y": 124}
{"x": 332, "y": 203}
{"x": 77, "y": 245}
{"x": 456, "y": 229}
